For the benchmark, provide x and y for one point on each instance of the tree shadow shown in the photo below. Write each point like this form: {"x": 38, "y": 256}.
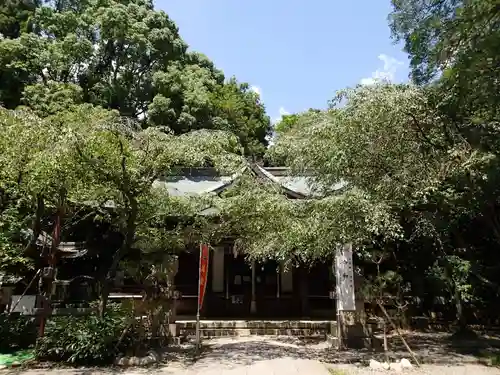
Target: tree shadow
{"x": 247, "y": 351}
{"x": 227, "y": 353}
{"x": 436, "y": 348}
{"x": 445, "y": 347}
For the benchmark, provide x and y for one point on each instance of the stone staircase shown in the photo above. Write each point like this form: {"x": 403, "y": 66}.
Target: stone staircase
{"x": 221, "y": 328}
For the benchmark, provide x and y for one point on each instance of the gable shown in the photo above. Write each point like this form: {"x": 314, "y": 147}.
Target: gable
{"x": 197, "y": 181}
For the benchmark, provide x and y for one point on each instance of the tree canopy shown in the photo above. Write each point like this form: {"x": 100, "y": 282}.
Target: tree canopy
{"x": 457, "y": 40}
{"x": 124, "y": 56}
{"x": 420, "y": 162}
{"x": 103, "y": 98}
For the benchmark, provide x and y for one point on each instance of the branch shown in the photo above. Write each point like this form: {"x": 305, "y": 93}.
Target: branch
{"x": 95, "y": 164}
{"x": 37, "y": 223}
{"x": 486, "y": 281}
{"x": 421, "y": 131}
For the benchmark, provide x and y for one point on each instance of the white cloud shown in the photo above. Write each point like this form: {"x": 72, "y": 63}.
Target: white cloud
{"x": 281, "y": 112}
{"x": 257, "y": 90}
{"x": 274, "y": 120}
{"x": 388, "y": 72}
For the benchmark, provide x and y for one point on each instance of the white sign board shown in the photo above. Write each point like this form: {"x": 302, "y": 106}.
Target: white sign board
{"x": 24, "y": 304}
{"x": 344, "y": 275}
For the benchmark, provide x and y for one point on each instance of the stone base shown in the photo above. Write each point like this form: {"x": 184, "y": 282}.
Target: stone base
{"x": 355, "y": 337}
{"x": 333, "y": 341}
{"x": 173, "y": 329}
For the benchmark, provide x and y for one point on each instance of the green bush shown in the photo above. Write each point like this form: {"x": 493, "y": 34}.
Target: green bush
{"x": 16, "y": 332}
{"x": 85, "y": 340}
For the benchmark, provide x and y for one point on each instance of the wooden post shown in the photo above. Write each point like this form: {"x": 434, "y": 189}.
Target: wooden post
{"x": 340, "y": 331}
{"x": 385, "y": 342}
{"x": 253, "y": 302}
{"x": 399, "y": 333}
{"x": 278, "y": 281}
{"x": 174, "y": 296}
{"x": 52, "y": 261}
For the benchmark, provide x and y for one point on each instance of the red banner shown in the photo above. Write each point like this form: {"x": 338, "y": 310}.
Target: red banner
{"x": 202, "y": 284}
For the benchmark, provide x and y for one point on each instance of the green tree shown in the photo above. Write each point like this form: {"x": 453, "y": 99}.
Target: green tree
{"x": 15, "y": 17}
{"x": 118, "y": 162}
{"x": 241, "y": 112}
{"x": 268, "y": 225}
{"x": 92, "y": 156}
{"x": 288, "y": 122}
{"x": 452, "y": 46}
{"x": 123, "y": 56}
{"x": 393, "y": 144}
{"x": 457, "y": 40}
{"x": 36, "y": 171}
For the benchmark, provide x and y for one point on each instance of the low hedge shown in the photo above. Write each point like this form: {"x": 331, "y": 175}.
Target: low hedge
{"x": 16, "y": 332}
{"x": 85, "y": 340}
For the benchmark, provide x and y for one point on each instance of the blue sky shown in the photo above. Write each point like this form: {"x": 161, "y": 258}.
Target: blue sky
{"x": 295, "y": 53}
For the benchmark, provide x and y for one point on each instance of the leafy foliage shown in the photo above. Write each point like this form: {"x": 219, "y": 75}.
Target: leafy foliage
{"x": 288, "y": 122}
{"x": 243, "y": 114}
{"x": 96, "y": 158}
{"x": 435, "y": 179}
{"x": 452, "y": 47}
{"x": 122, "y": 56}
{"x": 87, "y": 340}
{"x": 382, "y": 141}
{"x": 269, "y": 225}
{"x": 459, "y": 40}
{"x": 18, "y": 332}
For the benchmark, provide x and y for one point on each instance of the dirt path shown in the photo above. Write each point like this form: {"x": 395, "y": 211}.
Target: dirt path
{"x": 258, "y": 355}
{"x": 465, "y": 369}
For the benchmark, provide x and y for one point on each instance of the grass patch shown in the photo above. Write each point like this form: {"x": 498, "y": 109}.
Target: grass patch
{"x": 18, "y": 357}
{"x": 489, "y": 359}
{"x": 495, "y": 360}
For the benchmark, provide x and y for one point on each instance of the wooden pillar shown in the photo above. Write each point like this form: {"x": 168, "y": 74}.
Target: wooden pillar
{"x": 278, "y": 281}
{"x": 286, "y": 279}
{"x": 171, "y": 272}
{"x": 218, "y": 270}
{"x": 227, "y": 275}
{"x": 253, "y": 302}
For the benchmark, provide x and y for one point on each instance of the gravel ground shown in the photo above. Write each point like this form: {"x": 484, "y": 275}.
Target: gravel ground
{"x": 441, "y": 354}
{"x": 465, "y": 369}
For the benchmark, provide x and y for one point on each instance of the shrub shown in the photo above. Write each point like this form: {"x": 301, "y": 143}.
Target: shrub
{"x": 85, "y": 340}
{"x": 16, "y": 332}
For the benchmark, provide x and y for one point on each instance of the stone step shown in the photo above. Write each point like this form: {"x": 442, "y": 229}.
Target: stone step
{"x": 250, "y": 332}
{"x": 311, "y": 324}
{"x": 247, "y": 328}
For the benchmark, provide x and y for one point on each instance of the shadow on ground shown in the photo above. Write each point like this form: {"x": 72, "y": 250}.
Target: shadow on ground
{"x": 447, "y": 348}
{"x": 227, "y": 353}
{"x": 438, "y": 348}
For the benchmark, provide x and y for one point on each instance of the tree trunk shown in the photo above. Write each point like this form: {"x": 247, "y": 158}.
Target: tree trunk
{"x": 120, "y": 253}
{"x": 36, "y": 227}
{"x": 105, "y": 289}
{"x": 461, "y": 319}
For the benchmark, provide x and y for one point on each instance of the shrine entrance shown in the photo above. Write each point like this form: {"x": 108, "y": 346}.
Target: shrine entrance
{"x": 239, "y": 289}
{"x": 250, "y": 286}
{"x": 238, "y": 275}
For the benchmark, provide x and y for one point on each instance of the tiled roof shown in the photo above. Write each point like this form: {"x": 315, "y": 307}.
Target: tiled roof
{"x": 205, "y": 180}
{"x": 197, "y": 181}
